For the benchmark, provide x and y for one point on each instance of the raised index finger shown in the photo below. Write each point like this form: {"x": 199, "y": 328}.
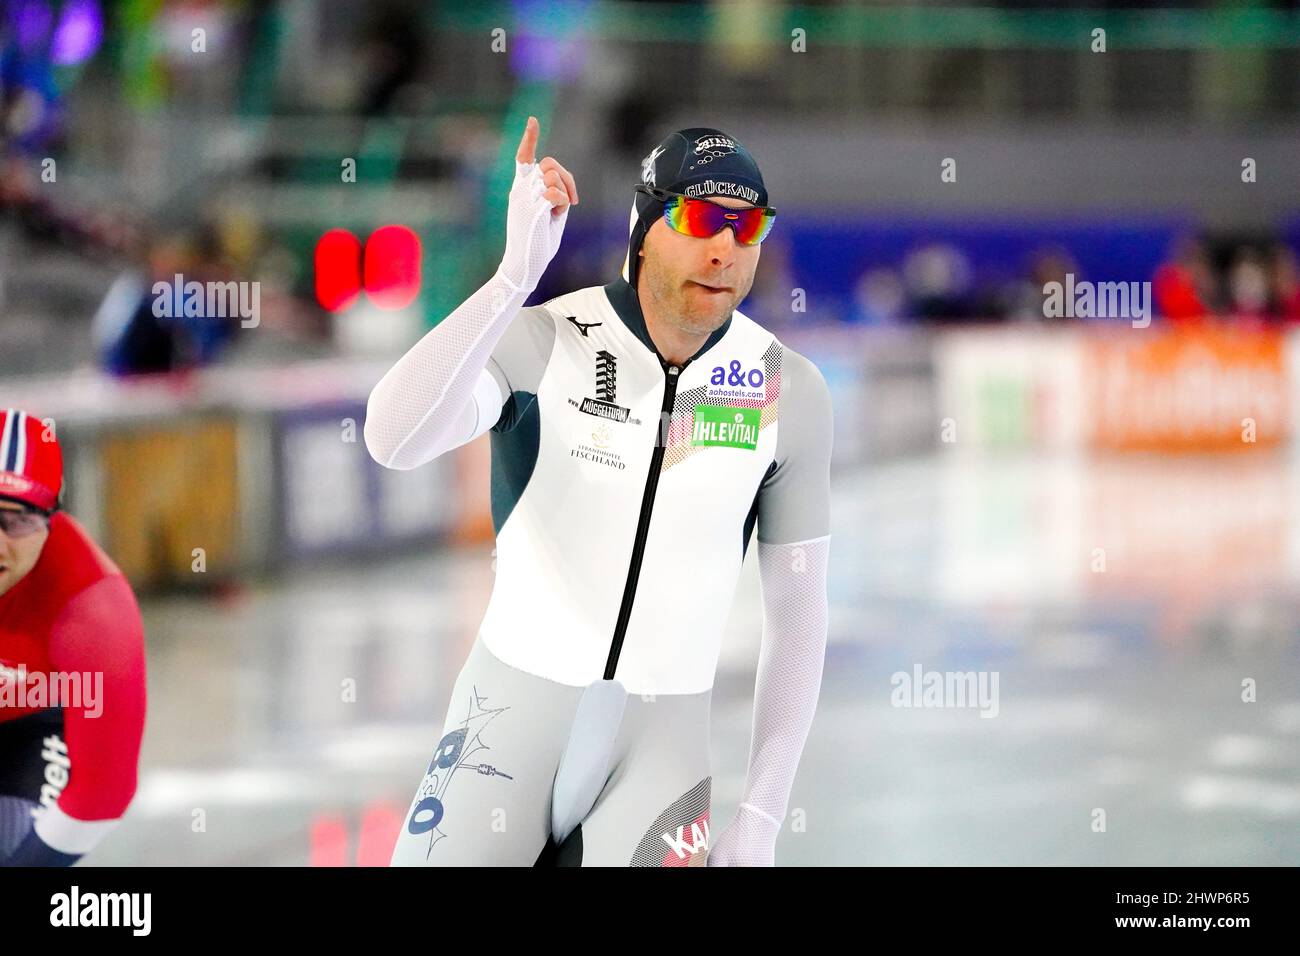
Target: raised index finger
{"x": 527, "y": 152}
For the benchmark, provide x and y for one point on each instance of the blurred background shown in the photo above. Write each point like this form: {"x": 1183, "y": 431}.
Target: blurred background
{"x": 1104, "y": 513}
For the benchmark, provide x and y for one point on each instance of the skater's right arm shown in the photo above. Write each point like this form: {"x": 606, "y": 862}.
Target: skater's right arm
{"x": 441, "y": 393}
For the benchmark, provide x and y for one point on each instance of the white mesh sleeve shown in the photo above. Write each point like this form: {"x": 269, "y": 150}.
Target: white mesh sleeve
{"x": 427, "y": 403}
{"x": 795, "y": 612}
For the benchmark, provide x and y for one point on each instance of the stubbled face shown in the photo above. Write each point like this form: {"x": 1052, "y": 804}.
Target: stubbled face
{"x": 18, "y": 555}
{"x": 676, "y": 269}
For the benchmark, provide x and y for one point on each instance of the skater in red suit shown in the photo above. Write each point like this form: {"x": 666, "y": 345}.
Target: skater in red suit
{"x": 72, "y": 674}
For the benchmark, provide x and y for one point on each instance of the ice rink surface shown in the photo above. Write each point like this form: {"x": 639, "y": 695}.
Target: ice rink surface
{"x": 1124, "y": 606}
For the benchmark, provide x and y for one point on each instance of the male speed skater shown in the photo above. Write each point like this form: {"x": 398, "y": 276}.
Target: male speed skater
{"x": 640, "y": 432}
{"x": 72, "y": 671}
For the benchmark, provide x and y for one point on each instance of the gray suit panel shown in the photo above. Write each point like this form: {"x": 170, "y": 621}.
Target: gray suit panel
{"x": 794, "y": 501}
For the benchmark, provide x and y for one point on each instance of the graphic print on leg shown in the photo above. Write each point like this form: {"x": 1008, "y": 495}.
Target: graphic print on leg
{"x": 454, "y": 753}
{"x": 485, "y": 796}
{"x": 680, "y": 837}
{"x": 640, "y": 825}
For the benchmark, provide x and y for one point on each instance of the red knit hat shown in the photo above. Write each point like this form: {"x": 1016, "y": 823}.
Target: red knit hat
{"x": 31, "y": 463}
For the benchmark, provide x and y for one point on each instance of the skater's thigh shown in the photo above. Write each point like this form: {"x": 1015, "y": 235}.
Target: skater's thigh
{"x": 485, "y": 798}
{"x": 654, "y": 810}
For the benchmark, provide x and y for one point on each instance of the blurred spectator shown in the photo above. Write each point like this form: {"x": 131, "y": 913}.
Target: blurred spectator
{"x": 879, "y": 298}
{"x": 937, "y": 277}
{"x": 31, "y": 109}
{"x": 131, "y": 336}
{"x": 1182, "y": 285}
{"x": 1046, "y": 264}
{"x": 1248, "y": 286}
{"x": 1284, "y": 283}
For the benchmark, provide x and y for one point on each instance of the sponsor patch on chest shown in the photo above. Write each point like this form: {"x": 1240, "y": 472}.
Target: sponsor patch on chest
{"x": 605, "y": 403}
{"x": 734, "y": 381}
{"x": 726, "y": 427}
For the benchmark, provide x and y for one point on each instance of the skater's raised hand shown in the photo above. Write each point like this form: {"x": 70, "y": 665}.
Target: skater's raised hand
{"x": 539, "y": 206}
{"x": 561, "y": 189}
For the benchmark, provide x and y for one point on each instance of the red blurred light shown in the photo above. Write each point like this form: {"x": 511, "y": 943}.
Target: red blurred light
{"x": 338, "y": 270}
{"x": 328, "y": 841}
{"x": 392, "y": 267}
{"x": 381, "y": 823}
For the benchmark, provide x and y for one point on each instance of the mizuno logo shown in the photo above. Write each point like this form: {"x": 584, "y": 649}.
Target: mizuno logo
{"x": 582, "y": 326}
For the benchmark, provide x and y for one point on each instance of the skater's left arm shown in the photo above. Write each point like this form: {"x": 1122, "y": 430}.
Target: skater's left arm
{"x": 99, "y": 638}
{"x": 793, "y": 553}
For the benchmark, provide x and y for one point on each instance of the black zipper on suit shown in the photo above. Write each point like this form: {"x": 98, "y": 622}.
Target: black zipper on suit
{"x": 672, "y": 374}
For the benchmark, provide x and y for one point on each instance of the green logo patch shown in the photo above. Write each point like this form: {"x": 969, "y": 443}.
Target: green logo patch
{"x": 726, "y": 427}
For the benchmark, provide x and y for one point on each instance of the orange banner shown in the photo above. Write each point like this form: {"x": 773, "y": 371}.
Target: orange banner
{"x": 1176, "y": 390}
